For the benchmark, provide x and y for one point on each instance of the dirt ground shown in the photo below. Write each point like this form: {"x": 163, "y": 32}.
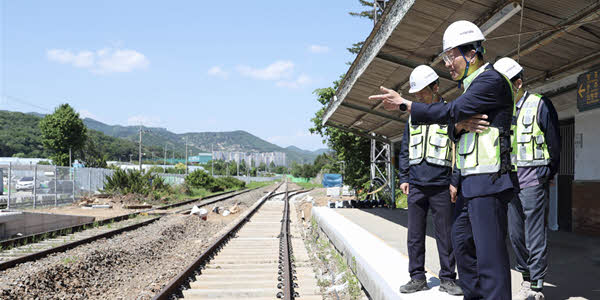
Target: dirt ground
{"x": 320, "y": 198}
{"x": 99, "y": 213}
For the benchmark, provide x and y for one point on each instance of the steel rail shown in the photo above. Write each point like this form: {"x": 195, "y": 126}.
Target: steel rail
{"x": 35, "y": 256}
{"x": 174, "y": 289}
{"x": 182, "y": 280}
{"x": 286, "y": 277}
{"x": 33, "y": 238}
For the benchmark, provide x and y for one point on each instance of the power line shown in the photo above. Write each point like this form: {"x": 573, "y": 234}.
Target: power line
{"x": 10, "y": 99}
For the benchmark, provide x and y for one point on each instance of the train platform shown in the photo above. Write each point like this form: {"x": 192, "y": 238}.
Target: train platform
{"x": 373, "y": 241}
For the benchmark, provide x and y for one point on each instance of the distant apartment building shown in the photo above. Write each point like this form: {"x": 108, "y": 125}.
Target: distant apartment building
{"x": 277, "y": 158}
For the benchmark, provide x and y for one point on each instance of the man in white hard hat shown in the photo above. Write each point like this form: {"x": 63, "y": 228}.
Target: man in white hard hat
{"x": 425, "y": 175}
{"x": 487, "y": 184}
{"x": 537, "y": 158}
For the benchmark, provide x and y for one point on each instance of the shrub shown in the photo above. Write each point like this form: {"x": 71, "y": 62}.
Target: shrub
{"x": 200, "y": 179}
{"x": 231, "y": 182}
{"x": 134, "y": 182}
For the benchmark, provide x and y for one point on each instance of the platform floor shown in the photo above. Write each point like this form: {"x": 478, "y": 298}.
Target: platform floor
{"x": 574, "y": 259}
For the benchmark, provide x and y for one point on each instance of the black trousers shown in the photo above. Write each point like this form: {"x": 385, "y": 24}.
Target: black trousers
{"x": 420, "y": 200}
{"x": 479, "y": 240}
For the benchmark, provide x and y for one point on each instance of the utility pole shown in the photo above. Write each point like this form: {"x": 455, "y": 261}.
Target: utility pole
{"x": 165, "y": 161}
{"x": 70, "y": 164}
{"x": 140, "y": 149}
{"x": 212, "y": 160}
{"x": 186, "y": 155}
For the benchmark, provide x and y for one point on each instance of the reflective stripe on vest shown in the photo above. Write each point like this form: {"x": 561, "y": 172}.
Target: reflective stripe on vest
{"x": 479, "y": 153}
{"x": 531, "y": 144}
{"x": 429, "y": 142}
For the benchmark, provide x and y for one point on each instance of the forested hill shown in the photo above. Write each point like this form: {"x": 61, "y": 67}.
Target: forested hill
{"x": 20, "y": 135}
{"x": 238, "y": 140}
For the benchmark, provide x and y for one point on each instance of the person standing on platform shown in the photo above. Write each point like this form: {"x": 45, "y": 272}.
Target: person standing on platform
{"x": 537, "y": 159}
{"x": 425, "y": 173}
{"x": 487, "y": 183}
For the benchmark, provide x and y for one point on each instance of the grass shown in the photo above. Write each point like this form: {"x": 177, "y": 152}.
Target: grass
{"x": 326, "y": 253}
{"x": 401, "y": 201}
{"x": 308, "y": 185}
{"x": 69, "y": 260}
{"x": 257, "y": 184}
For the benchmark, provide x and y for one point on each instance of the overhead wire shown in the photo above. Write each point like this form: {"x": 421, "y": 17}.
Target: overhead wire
{"x": 10, "y": 99}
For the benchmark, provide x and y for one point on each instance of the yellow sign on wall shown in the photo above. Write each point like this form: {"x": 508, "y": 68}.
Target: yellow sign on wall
{"x": 588, "y": 91}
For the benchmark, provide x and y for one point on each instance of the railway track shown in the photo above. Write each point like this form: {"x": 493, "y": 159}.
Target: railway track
{"x": 31, "y": 248}
{"x": 261, "y": 256}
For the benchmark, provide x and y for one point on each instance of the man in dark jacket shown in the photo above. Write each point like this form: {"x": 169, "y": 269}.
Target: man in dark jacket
{"x": 537, "y": 157}
{"x": 487, "y": 184}
{"x": 425, "y": 175}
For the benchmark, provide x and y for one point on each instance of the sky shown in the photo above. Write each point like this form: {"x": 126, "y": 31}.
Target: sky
{"x": 188, "y": 66}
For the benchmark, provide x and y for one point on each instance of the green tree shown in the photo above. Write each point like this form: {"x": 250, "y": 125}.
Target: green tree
{"x": 61, "y": 131}
{"x": 180, "y": 168}
{"x": 350, "y": 148}
{"x": 368, "y": 13}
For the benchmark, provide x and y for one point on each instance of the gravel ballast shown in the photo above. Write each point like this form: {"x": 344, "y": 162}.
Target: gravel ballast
{"x": 132, "y": 265}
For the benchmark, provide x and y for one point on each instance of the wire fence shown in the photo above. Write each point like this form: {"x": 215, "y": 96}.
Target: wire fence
{"x": 28, "y": 185}
{"x": 35, "y": 186}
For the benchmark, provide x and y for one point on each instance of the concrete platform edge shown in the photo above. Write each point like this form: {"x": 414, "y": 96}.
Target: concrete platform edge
{"x": 379, "y": 268}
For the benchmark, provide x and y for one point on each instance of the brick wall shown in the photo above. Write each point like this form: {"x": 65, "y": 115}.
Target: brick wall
{"x": 586, "y": 207}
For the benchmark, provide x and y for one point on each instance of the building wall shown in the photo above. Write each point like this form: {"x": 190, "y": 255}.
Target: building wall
{"x": 587, "y": 145}
{"x": 586, "y": 186}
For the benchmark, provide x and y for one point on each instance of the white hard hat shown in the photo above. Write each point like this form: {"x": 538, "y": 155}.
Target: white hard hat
{"x": 421, "y": 77}
{"x": 508, "y": 67}
{"x": 461, "y": 33}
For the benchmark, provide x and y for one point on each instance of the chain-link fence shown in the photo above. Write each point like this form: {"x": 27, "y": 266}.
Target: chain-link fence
{"x": 25, "y": 186}
{"x": 173, "y": 179}
{"x": 41, "y": 185}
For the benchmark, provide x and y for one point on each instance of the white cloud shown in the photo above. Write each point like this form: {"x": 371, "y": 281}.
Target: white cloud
{"x": 275, "y": 71}
{"x": 102, "y": 61}
{"x": 83, "y": 59}
{"x": 217, "y": 71}
{"x": 84, "y": 113}
{"x": 143, "y": 120}
{"x": 302, "y": 80}
{"x": 120, "y": 60}
{"x": 318, "y": 49}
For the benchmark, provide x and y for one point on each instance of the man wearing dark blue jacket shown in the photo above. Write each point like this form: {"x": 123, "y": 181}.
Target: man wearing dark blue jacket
{"x": 537, "y": 158}
{"x": 425, "y": 172}
{"x": 487, "y": 184}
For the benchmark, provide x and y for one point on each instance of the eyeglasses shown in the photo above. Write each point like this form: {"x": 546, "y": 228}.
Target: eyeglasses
{"x": 448, "y": 57}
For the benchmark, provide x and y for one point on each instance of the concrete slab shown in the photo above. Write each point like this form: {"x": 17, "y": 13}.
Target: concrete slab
{"x": 27, "y": 223}
{"x": 380, "y": 268}
{"x": 574, "y": 259}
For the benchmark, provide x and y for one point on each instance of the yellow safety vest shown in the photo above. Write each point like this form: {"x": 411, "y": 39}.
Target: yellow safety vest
{"x": 532, "y": 149}
{"x": 479, "y": 153}
{"x": 429, "y": 142}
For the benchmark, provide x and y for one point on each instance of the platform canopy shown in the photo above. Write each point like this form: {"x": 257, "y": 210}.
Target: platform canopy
{"x": 559, "y": 41}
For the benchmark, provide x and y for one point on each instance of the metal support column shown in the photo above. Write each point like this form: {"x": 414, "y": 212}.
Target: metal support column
{"x": 34, "y": 185}
{"x": 392, "y": 174}
{"x": 9, "y": 181}
{"x": 55, "y": 185}
{"x": 381, "y": 166}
